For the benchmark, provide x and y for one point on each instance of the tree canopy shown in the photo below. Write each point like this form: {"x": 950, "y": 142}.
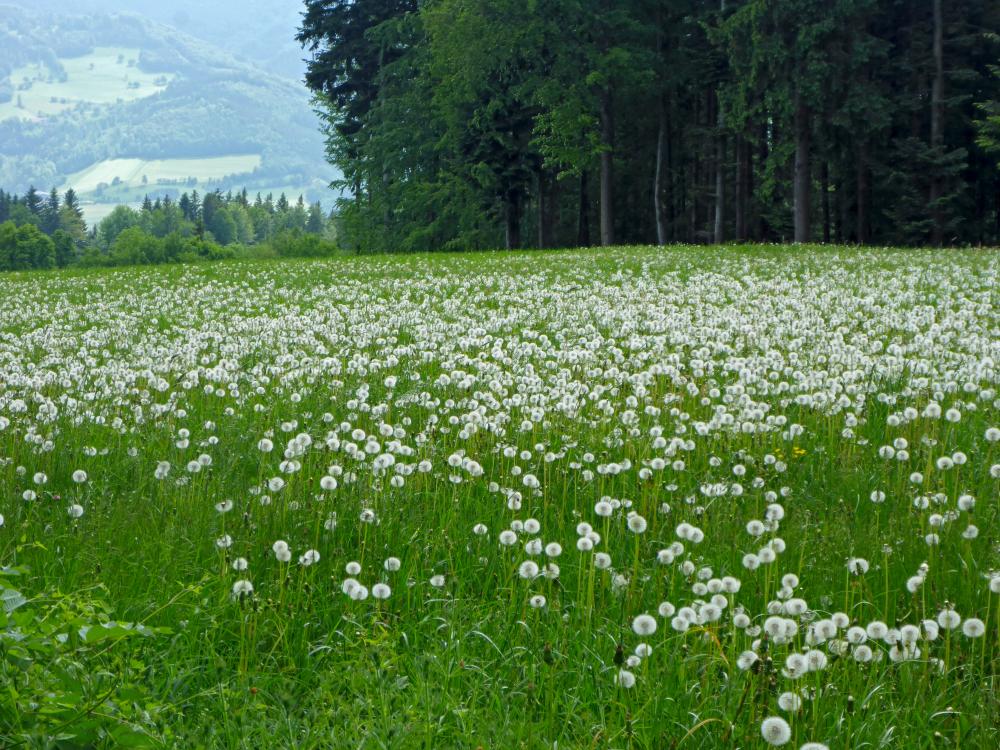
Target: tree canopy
{"x": 477, "y": 123}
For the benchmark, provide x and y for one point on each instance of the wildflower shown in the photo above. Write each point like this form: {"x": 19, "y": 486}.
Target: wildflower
{"x": 636, "y": 524}
{"x": 528, "y": 570}
{"x": 381, "y": 591}
{"x": 949, "y": 619}
{"x": 242, "y": 588}
{"x": 537, "y": 601}
{"x": 775, "y": 730}
{"x": 863, "y": 654}
{"x": 644, "y": 625}
{"x": 746, "y": 660}
{"x": 75, "y": 510}
{"x": 79, "y": 476}
{"x": 309, "y": 557}
{"x": 973, "y": 627}
{"x": 789, "y": 701}
{"x": 625, "y": 679}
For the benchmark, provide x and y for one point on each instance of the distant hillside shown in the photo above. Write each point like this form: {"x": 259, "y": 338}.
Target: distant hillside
{"x": 117, "y": 106}
{"x": 261, "y": 31}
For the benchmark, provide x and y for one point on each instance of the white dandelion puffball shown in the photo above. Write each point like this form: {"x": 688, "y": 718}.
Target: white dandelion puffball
{"x": 625, "y": 679}
{"x": 644, "y": 625}
{"x": 528, "y": 570}
{"x": 973, "y": 627}
{"x": 309, "y": 557}
{"x": 775, "y": 731}
{"x": 242, "y": 588}
{"x": 636, "y": 524}
{"x": 75, "y": 510}
{"x": 79, "y": 476}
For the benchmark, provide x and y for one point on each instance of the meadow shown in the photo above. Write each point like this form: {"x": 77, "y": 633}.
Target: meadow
{"x": 629, "y": 498}
{"x": 104, "y": 76}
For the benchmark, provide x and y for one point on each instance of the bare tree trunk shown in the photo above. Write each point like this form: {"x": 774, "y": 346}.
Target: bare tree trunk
{"x": 583, "y": 222}
{"x": 661, "y": 155}
{"x": 864, "y": 194}
{"x": 937, "y": 123}
{"x": 803, "y": 177}
{"x": 824, "y": 178}
{"x": 607, "y": 170}
{"x": 512, "y": 223}
{"x": 740, "y": 202}
{"x": 546, "y": 208}
{"x": 761, "y": 229}
{"x": 718, "y": 230}
{"x": 839, "y": 210}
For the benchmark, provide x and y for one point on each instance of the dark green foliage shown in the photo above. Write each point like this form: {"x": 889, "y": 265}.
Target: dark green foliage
{"x": 62, "y": 667}
{"x": 194, "y": 228}
{"x": 25, "y": 247}
{"x": 471, "y": 123}
{"x": 296, "y": 244}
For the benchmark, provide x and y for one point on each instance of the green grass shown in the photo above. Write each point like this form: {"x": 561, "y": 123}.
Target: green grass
{"x": 567, "y": 366}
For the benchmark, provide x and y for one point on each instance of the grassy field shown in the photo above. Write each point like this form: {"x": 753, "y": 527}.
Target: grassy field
{"x": 105, "y": 76}
{"x": 636, "y": 498}
{"x": 132, "y": 171}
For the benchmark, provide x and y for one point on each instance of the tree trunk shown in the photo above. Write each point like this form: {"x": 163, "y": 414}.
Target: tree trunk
{"x": 761, "y": 229}
{"x": 546, "y": 208}
{"x": 838, "y": 212}
{"x": 718, "y": 228}
{"x": 583, "y": 222}
{"x": 803, "y": 177}
{"x": 864, "y": 194}
{"x": 660, "y": 173}
{"x": 607, "y": 170}
{"x": 742, "y": 187}
{"x": 937, "y": 123}
{"x": 824, "y": 178}
{"x": 512, "y": 223}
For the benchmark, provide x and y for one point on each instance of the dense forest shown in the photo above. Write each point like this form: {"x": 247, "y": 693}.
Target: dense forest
{"x": 41, "y": 232}
{"x": 477, "y": 123}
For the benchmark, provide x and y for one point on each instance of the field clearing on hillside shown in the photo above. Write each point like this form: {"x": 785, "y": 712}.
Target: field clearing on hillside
{"x": 629, "y": 498}
{"x": 177, "y": 171}
{"x": 105, "y": 76}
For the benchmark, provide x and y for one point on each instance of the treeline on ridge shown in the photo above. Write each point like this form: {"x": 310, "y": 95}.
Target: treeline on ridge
{"x": 41, "y": 232}
{"x": 477, "y": 123}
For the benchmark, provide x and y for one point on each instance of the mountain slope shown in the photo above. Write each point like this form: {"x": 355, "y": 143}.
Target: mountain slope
{"x": 84, "y": 94}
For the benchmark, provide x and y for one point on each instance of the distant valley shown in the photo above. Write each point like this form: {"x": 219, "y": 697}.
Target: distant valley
{"x": 117, "y": 106}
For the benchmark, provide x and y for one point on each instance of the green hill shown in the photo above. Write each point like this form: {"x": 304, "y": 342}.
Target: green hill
{"x": 117, "y": 106}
